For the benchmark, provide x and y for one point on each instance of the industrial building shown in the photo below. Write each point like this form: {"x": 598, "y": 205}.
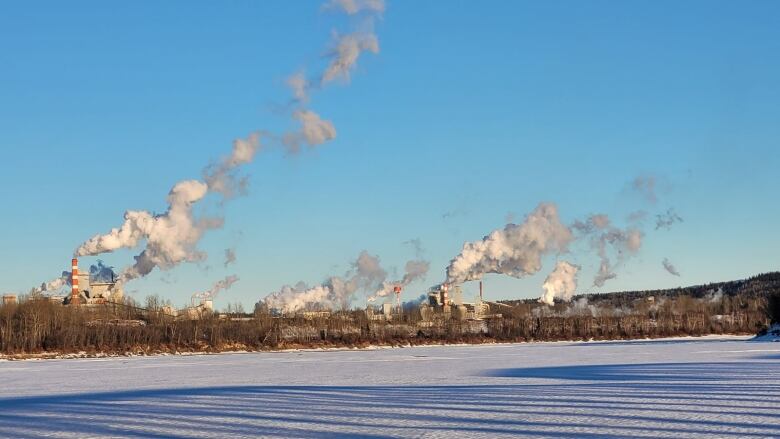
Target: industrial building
{"x": 85, "y": 291}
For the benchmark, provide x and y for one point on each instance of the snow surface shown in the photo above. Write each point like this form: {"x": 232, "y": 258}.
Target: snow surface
{"x": 772, "y": 334}
{"x": 709, "y": 387}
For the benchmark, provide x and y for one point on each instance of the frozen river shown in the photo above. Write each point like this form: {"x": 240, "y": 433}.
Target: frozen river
{"x": 668, "y": 388}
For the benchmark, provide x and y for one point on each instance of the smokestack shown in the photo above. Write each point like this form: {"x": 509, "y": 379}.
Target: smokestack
{"x": 480, "y": 291}
{"x": 74, "y": 281}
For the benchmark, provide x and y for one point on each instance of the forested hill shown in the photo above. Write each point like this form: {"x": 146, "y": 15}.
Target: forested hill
{"x": 762, "y": 285}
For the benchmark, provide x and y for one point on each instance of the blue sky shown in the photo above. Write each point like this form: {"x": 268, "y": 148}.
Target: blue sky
{"x": 469, "y": 114}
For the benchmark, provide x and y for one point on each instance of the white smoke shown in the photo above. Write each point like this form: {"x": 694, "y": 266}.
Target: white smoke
{"x": 55, "y": 285}
{"x": 668, "y": 266}
{"x": 414, "y": 270}
{"x": 609, "y": 240}
{"x": 516, "y": 250}
{"x": 560, "y": 284}
{"x": 170, "y": 238}
{"x": 212, "y": 293}
{"x": 291, "y": 299}
{"x": 222, "y": 178}
{"x": 345, "y": 54}
{"x": 314, "y": 131}
{"x": 336, "y": 292}
{"x": 299, "y": 86}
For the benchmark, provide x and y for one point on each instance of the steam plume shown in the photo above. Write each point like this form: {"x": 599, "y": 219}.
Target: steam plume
{"x": 53, "y": 285}
{"x": 221, "y": 177}
{"x": 345, "y": 54}
{"x": 560, "y": 284}
{"x": 170, "y": 237}
{"x": 314, "y": 131}
{"x": 515, "y": 250}
{"x": 605, "y": 237}
{"x": 668, "y": 266}
{"x": 336, "y": 292}
{"x": 299, "y": 86}
{"x": 414, "y": 270}
{"x": 223, "y": 284}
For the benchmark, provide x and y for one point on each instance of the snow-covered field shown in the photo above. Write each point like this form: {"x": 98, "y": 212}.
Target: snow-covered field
{"x": 709, "y": 387}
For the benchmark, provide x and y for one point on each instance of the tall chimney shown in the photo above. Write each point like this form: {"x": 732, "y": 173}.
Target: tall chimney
{"x": 480, "y": 291}
{"x": 74, "y": 281}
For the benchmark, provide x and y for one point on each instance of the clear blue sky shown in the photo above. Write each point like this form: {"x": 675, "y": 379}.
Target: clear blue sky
{"x": 476, "y": 109}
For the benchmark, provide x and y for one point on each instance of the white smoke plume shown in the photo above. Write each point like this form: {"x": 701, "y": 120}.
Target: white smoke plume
{"x": 667, "y": 220}
{"x": 212, "y": 293}
{"x": 414, "y": 270}
{"x": 314, "y": 131}
{"x": 299, "y": 86}
{"x": 290, "y": 299}
{"x": 345, "y": 54}
{"x": 516, "y": 250}
{"x": 221, "y": 177}
{"x": 607, "y": 240}
{"x": 582, "y": 307}
{"x": 560, "y": 284}
{"x": 53, "y": 286}
{"x": 336, "y": 292}
{"x": 592, "y": 224}
{"x": 170, "y": 238}
{"x": 668, "y": 266}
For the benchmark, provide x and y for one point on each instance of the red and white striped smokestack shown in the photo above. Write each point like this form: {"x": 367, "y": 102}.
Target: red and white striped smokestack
{"x": 74, "y": 280}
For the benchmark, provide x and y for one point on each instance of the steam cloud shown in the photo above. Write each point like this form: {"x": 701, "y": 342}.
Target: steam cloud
{"x": 414, "y": 270}
{"x": 223, "y": 284}
{"x": 561, "y": 283}
{"x": 172, "y": 237}
{"x": 605, "y": 237}
{"x": 668, "y": 266}
{"x": 516, "y": 250}
{"x": 337, "y": 292}
{"x": 346, "y": 53}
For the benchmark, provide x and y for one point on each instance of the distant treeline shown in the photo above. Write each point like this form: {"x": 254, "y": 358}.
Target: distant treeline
{"x": 36, "y": 325}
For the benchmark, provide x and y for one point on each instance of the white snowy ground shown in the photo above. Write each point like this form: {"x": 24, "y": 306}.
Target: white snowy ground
{"x": 709, "y": 387}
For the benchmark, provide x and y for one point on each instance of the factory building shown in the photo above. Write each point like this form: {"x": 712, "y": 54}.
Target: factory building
{"x": 85, "y": 291}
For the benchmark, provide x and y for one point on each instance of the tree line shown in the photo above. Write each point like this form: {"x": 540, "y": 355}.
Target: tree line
{"x": 36, "y": 325}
